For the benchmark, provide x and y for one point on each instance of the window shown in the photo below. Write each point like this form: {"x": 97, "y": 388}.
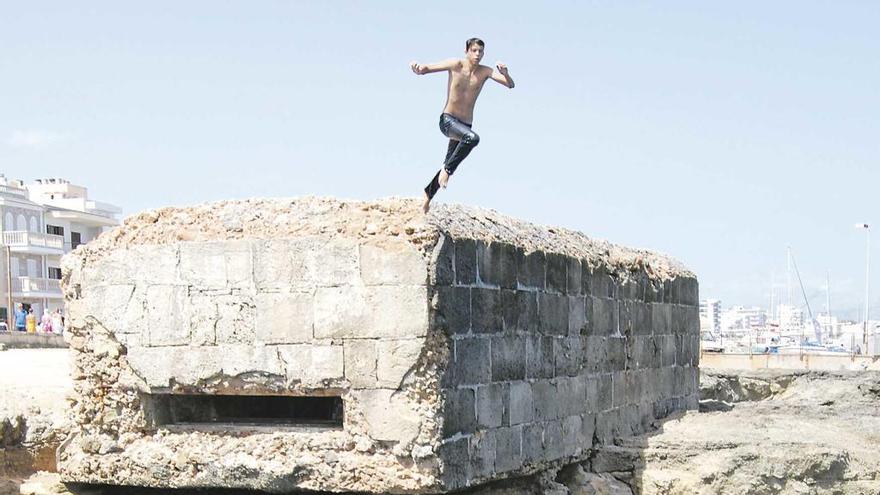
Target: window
{"x": 54, "y": 273}
{"x": 34, "y": 226}
{"x": 21, "y": 223}
{"x": 251, "y": 410}
{"x": 32, "y": 268}
{"x": 54, "y": 230}
{"x": 14, "y": 268}
{"x": 8, "y": 222}
{"x": 75, "y": 239}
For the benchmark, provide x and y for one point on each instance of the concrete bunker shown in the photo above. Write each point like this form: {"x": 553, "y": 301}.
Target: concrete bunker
{"x": 351, "y": 346}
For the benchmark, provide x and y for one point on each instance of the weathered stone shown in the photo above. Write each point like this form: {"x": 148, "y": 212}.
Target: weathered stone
{"x": 553, "y": 314}
{"x": 540, "y": 359}
{"x": 508, "y": 444}
{"x": 472, "y": 364}
{"x": 545, "y": 400}
{"x": 490, "y": 405}
{"x": 454, "y": 307}
{"x": 508, "y": 358}
{"x": 165, "y": 312}
{"x": 520, "y": 311}
{"x": 605, "y": 316}
{"x": 360, "y": 362}
{"x": 522, "y": 409}
{"x": 460, "y": 413}
{"x": 482, "y": 454}
{"x": 496, "y": 264}
{"x": 486, "y": 311}
{"x": 388, "y": 415}
{"x": 284, "y": 318}
{"x": 377, "y": 311}
{"x": 531, "y": 269}
{"x": 397, "y": 264}
{"x": 557, "y": 277}
{"x": 465, "y": 261}
{"x": 395, "y": 359}
{"x": 216, "y": 265}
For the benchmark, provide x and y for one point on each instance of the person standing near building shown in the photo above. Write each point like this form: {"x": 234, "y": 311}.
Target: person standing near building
{"x": 466, "y": 79}
{"x": 31, "y": 321}
{"x": 20, "y": 318}
{"x": 46, "y": 321}
{"x": 57, "y": 322}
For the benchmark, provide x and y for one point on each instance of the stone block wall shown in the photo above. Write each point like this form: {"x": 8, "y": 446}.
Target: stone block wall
{"x": 551, "y": 353}
{"x": 465, "y": 346}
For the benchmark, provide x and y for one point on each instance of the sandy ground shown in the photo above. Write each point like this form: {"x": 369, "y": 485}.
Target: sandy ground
{"x": 33, "y": 378}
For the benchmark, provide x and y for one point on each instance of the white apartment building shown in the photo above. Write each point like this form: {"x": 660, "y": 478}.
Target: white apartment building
{"x": 790, "y": 317}
{"x": 710, "y": 311}
{"x": 41, "y": 222}
{"x": 743, "y": 318}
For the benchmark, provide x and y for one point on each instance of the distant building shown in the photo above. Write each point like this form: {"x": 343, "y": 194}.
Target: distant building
{"x": 743, "y": 318}
{"x": 710, "y": 311}
{"x": 790, "y": 317}
{"x": 41, "y": 222}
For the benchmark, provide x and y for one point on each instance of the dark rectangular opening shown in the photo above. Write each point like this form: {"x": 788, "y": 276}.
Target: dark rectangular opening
{"x": 247, "y": 410}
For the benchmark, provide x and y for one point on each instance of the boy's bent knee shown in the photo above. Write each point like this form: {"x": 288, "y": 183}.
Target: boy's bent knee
{"x": 471, "y": 139}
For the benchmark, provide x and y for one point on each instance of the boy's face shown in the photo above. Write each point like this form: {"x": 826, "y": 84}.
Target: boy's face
{"x": 475, "y": 53}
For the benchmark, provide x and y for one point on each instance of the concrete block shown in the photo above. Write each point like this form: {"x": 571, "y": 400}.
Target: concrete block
{"x": 169, "y": 324}
{"x": 574, "y": 272}
{"x": 395, "y": 358}
{"x": 454, "y": 308}
{"x": 572, "y": 435}
{"x": 533, "y": 443}
{"x": 284, "y": 318}
{"x": 216, "y": 265}
{"x": 482, "y": 454}
{"x": 554, "y": 447}
{"x": 456, "y": 468}
{"x": 460, "y": 413}
{"x": 202, "y": 313}
{"x": 119, "y": 308}
{"x": 635, "y": 318}
{"x": 392, "y": 264}
{"x": 540, "y": 358}
{"x": 360, "y": 362}
{"x": 486, "y": 311}
{"x": 591, "y": 392}
{"x": 235, "y": 320}
{"x": 605, "y": 391}
{"x": 615, "y": 354}
{"x": 661, "y": 319}
{"x": 520, "y": 311}
{"x": 577, "y": 316}
{"x": 149, "y": 265}
{"x": 607, "y": 427}
{"x": 632, "y": 287}
{"x": 605, "y": 317}
{"x": 618, "y": 389}
{"x": 569, "y": 354}
{"x": 473, "y": 363}
{"x": 545, "y": 400}
{"x": 376, "y": 311}
{"x": 557, "y": 273}
{"x": 465, "y": 261}
{"x": 594, "y": 354}
{"x": 571, "y": 396}
{"x": 508, "y": 456}
{"x": 490, "y": 405}
{"x": 553, "y": 314}
{"x": 389, "y": 416}
{"x": 496, "y": 264}
{"x": 304, "y": 263}
{"x": 603, "y": 284}
{"x": 531, "y": 269}
{"x": 508, "y": 358}
{"x": 312, "y": 364}
{"x": 520, "y": 403}
{"x": 443, "y": 261}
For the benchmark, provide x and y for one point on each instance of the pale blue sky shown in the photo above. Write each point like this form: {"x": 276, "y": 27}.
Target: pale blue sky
{"x": 716, "y": 132}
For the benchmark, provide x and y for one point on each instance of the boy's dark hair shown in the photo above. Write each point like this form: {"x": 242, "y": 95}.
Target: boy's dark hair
{"x": 468, "y": 43}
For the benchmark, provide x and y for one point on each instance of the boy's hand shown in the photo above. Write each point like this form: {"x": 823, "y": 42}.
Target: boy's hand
{"x": 502, "y": 68}
{"x": 415, "y": 68}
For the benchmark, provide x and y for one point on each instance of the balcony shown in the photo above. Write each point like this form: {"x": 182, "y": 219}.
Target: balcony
{"x": 33, "y": 242}
{"x": 36, "y": 287}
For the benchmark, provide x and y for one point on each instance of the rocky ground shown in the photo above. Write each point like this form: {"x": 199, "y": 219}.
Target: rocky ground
{"x": 769, "y": 432}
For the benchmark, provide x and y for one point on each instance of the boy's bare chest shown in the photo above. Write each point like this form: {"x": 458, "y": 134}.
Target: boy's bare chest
{"x": 466, "y": 82}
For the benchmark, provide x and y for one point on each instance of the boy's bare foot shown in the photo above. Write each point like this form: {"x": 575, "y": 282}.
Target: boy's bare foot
{"x": 444, "y": 178}
{"x": 427, "y": 204}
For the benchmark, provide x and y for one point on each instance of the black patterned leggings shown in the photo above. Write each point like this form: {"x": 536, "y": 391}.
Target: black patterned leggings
{"x": 461, "y": 141}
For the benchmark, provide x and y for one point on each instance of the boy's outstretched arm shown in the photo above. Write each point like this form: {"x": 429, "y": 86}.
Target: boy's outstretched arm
{"x": 429, "y": 68}
{"x": 501, "y": 76}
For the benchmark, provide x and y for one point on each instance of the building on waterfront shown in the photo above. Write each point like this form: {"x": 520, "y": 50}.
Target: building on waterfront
{"x": 40, "y": 222}
{"x": 790, "y": 317}
{"x": 743, "y": 318}
{"x": 710, "y": 312}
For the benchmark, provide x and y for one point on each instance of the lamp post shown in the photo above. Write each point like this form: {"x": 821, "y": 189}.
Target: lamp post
{"x": 867, "y": 279}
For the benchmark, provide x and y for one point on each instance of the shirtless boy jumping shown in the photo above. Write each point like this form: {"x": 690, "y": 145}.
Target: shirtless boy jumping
{"x": 466, "y": 78}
